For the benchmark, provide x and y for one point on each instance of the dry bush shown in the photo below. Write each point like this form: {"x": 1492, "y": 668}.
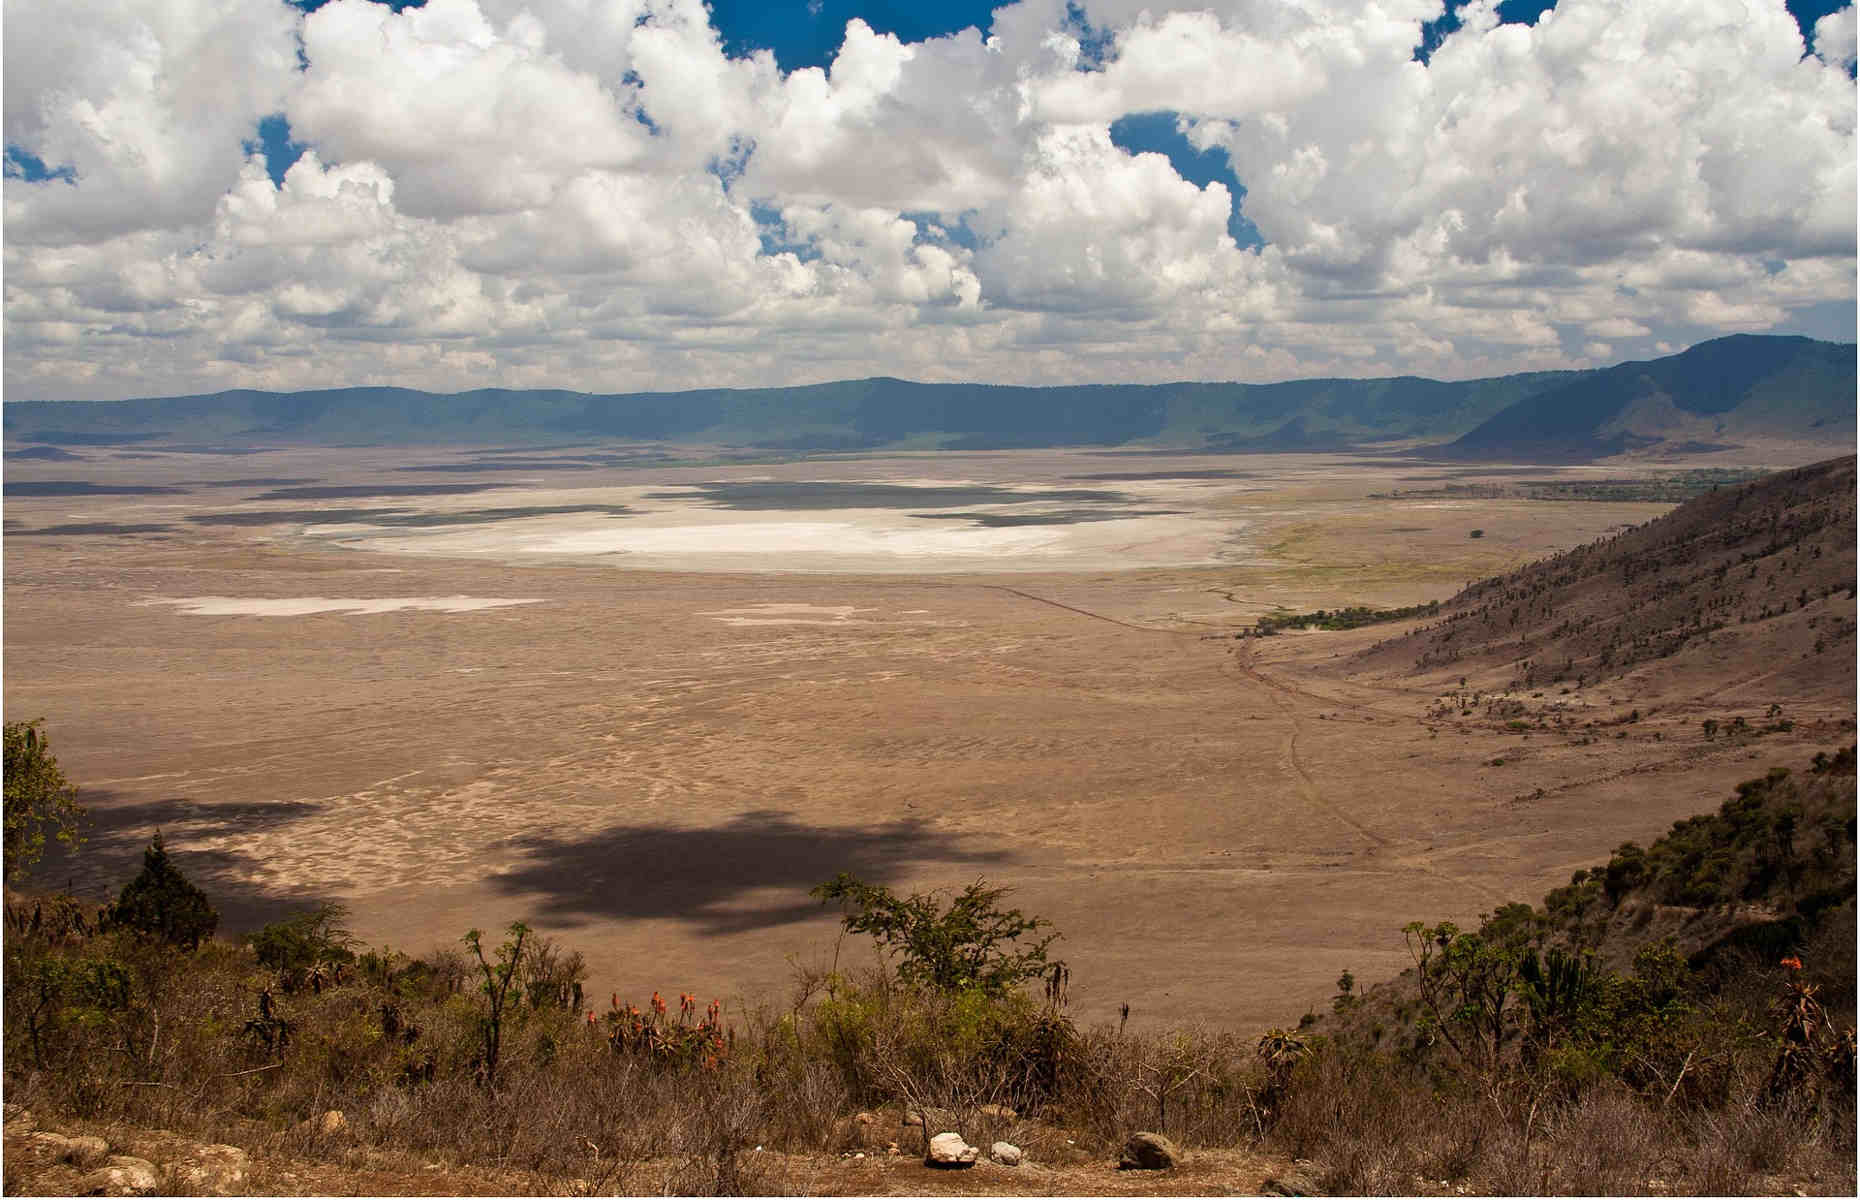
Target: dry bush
{"x": 808, "y": 1103}
{"x": 1199, "y": 1086}
{"x": 1610, "y": 1143}
{"x": 203, "y": 1044}
{"x": 210, "y": 1044}
{"x": 1382, "y": 1126}
{"x": 1363, "y": 1097}
{"x": 392, "y": 1045}
{"x": 1745, "y": 1147}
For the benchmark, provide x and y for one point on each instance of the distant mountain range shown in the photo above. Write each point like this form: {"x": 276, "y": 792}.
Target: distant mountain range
{"x": 1718, "y": 393}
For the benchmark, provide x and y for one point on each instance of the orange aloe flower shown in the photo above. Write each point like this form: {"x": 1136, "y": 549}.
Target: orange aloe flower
{"x": 1793, "y": 963}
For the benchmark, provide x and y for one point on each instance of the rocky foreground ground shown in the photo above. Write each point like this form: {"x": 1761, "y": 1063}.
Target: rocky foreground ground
{"x": 323, "y": 1158}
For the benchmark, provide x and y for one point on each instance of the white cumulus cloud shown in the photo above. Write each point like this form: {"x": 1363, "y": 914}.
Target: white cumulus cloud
{"x": 596, "y": 194}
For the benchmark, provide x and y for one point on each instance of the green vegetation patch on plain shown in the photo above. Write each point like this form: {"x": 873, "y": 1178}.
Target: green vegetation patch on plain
{"x": 1352, "y": 617}
{"x": 1670, "y": 488}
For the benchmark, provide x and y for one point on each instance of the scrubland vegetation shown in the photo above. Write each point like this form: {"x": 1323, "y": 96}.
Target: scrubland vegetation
{"x": 1679, "y": 1019}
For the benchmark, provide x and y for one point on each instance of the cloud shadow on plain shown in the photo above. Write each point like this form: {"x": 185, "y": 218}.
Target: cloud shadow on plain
{"x": 117, "y": 832}
{"x": 350, "y": 491}
{"x": 399, "y": 518}
{"x": 90, "y": 529}
{"x": 702, "y": 876}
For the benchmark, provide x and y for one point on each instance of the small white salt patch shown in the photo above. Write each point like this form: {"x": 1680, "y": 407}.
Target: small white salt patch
{"x": 303, "y": 606}
{"x": 788, "y": 614}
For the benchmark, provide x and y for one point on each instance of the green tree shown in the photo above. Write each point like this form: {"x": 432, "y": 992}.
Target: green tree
{"x": 1346, "y": 992}
{"x": 304, "y": 940}
{"x": 1467, "y": 981}
{"x": 161, "y": 903}
{"x": 498, "y": 977}
{"x": 974, "y": 944}
{"x": 1626, "y": 870}
{"x": 39, "y": 799}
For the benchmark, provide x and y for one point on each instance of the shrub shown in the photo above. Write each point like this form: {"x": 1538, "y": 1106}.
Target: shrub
{"x": 304, "y": 940}
{"x": 161, "y": 903}
{"x": 498, "y": 976}
{"x": 48, "y": 991}
{"x": 39, "y": 799}
{"x": 552, "y": 977}
{"x": 971, "y": 945}
{"x": 1625, "y": 871}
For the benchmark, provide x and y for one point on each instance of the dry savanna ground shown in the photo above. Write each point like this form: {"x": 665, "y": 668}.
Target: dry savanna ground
{"x": 713, "y": 698}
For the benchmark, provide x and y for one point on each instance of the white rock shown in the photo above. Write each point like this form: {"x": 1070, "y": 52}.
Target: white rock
{"x": 330, "y": 1124}
{"x": 949, "y": 1150}
{"x": 123, "y": 1176}
{"x": 210, "y": 1171}
{"x": 1005, "y": 1153}
{"x": 80, "y": 1151}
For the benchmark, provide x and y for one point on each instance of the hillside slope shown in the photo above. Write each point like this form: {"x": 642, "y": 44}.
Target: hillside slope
{"x": 1678, "y": 1020}
{"x": 1757, "y": 578}
{"x": 1788, "y": 388}
{"x": 1769, "y": 873}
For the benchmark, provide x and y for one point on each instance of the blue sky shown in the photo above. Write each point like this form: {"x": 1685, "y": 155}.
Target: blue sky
{"x": 632, "y": 193}
{"x": 808, "y": 33}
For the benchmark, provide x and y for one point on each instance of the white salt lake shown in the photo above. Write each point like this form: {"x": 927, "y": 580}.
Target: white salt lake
{"x": 691, "y": 531}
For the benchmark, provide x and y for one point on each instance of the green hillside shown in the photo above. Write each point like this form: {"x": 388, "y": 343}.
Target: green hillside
{"x": 1737, "y": 386}
{"x": 848, "y": 415}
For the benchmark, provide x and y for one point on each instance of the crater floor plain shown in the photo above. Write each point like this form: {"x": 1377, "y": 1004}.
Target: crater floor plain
{"x": 654, "y": 764}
